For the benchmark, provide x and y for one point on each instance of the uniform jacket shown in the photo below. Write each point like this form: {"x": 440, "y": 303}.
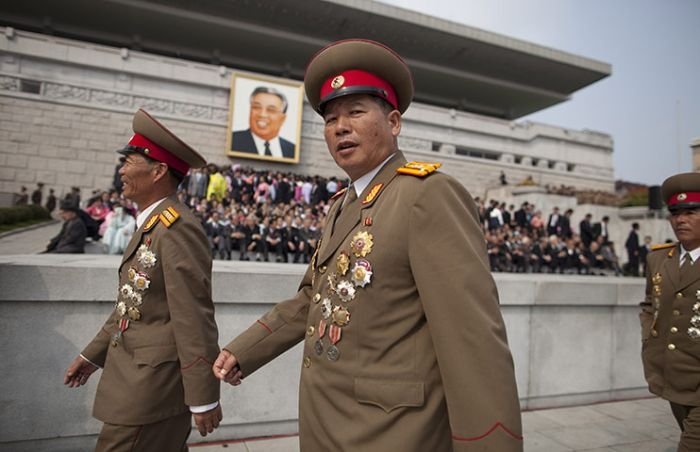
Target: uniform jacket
{"x": 162, "y": 362}
{"x": 423, "y": 363}
{"x": 670, "y": 320}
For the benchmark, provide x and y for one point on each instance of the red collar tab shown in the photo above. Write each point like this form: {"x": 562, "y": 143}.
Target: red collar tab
{"x": 355, "y": 81}
{"x": 156, "y": 152}
{"x": 684, "y": 198}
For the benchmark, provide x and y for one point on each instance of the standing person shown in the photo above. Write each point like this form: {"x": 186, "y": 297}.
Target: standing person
{"x": 644, "y": 251}
{"x": 38, "y": 194}
{"x": 585, "y": 229}
{"x": 51, "y": 201}
{"x": 671, "y": 310}
{"x": 71, "y": 238}
{"x": 553, "y": 222}
{"x": 156, "y": 345}
{"x": 601, "y": 230}
{"x": 22, "y": 198}
{"x": 632, "y": 246}
{"x": 216, "y": 189}
{"x": 404, "y": 344}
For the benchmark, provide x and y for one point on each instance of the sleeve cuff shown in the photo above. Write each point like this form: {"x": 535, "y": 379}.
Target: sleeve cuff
{"x": 83, "y": 356}
{"x": 203, "y": 408}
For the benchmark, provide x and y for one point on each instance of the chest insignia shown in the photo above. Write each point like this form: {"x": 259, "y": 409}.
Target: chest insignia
{"x": 342, "y": 263}
{"x": 656, "y": 279}
{"x": 362, "y": 243}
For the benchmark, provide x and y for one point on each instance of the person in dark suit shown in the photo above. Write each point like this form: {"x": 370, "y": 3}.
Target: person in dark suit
{"x": 156, "y": 346}
{"x": 565, "y": 224}
{"x": 268, "y": 111}
{"x": 553, "y": 222}
{"x": 670, "y": 310}
{"x": 601, "y": 230}
{"x": 402, "y": 351}
{"x": 632, "y": 246}
{"x": 71, "y": 239}
{"x": 586, "y": 230}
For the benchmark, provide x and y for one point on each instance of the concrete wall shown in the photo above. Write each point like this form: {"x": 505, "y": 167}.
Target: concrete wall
{"x": 65, "y": 106}
{"x": 574, "y": 339}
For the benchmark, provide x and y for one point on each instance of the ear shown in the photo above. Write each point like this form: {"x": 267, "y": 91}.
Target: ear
{"x": 394, "y": 119}
{"x": 160, "y": 171}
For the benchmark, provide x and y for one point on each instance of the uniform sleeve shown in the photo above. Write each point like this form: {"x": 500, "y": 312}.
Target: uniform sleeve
{"x": 186, "y": 262}
{"x": 646, "y": 315}
{"x": 96, "y": 350}
{"x": 276, "y": 332}
{"x": 448, "y": 259}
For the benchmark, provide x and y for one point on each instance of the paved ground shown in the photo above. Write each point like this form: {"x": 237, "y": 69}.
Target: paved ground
{"x": 630, "y": 426}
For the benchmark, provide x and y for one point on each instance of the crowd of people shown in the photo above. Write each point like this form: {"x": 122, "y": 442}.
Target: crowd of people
{"x": 525, "y": 241}
{"x": 261, "y": 215}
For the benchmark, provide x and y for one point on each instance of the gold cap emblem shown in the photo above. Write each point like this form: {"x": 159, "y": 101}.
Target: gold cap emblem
{"x": 682, "y": 197}
{"x": 337, "y": 82}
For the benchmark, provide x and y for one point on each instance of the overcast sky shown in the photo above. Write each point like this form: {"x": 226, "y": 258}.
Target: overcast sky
{"x": 651, "y": 102}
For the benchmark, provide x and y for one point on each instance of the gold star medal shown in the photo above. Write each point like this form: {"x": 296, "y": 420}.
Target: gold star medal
{"x": 362, "y": 243}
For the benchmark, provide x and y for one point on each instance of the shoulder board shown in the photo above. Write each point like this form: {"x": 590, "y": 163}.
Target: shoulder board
{"x": 169, "y": 216}
{"x": 662, "y": 246}
{"x": 150, "y": 223}
{"x": 339, "y": 193}
{"x": 419, "y": 169}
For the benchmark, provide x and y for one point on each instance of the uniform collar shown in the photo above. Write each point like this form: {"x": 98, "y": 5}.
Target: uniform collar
{"x": 361, "y": 183}
{"x": 694, "y": 254}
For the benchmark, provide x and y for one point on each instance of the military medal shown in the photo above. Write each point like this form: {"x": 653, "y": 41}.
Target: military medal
{"x": 318, "y": 347}
{"x": 321, "y": 328}
{"x": 342, "y": 263}
{"x": 334, "y": 333}
{"x": 146, "y": 257}
{"x": 368, "y": 221}
{"x": 345, "y": 291}
{"x": 362, "y": 272}
{"x": 326, "y": 308}
{"x": 697, "y": 294}
{"x": 123, "y": 326}
{"x": 361, "y": 244}
{"x": 340, "y": 316}
{"x": 656, "y": 279}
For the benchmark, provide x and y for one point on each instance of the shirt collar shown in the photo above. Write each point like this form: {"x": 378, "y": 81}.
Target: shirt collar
{"x": 694, "y": 254}
{"x": 145, "y": 213}
{"x": 361, "y": 183}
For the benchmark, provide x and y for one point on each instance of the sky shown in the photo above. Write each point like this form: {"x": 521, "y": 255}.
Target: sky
{"x": 650, "y": 104}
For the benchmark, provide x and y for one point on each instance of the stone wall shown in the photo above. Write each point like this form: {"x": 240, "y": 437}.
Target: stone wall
{"x": 575, "y": 339}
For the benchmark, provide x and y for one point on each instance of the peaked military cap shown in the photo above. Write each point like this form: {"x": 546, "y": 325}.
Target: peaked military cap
{"x": 682, "y": 191}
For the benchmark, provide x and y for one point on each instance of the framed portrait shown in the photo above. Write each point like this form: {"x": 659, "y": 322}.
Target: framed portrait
{"x": 264, "y": 118}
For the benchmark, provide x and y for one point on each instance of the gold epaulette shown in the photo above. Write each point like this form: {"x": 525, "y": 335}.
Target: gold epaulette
{"x": 419, "y": 169}
{"x": 339, "y": 193}
{"x": 662, "y": 246}
{"x": 169, "y": 216}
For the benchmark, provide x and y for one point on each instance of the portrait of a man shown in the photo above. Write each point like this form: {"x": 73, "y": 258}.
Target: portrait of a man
{"x": 270, "y": 129}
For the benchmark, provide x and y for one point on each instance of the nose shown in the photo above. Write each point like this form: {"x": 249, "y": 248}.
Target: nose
{"x": 342, "y": 125}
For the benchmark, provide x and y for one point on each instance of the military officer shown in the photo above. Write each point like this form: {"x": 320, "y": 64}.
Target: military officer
{"x": 670, "y": 316}
{"x": 404, "y": 344}
{"x": 157, "y": 346}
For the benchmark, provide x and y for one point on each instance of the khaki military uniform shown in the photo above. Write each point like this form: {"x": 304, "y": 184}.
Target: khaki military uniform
{"x": 404, "y": 344}
{"x": 670, "y": 321}
{"x": 161, "y": 363}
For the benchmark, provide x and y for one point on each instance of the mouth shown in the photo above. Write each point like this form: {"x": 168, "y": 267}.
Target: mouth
{"x": 345, "y": 146}
{"x": 262, "y": 124}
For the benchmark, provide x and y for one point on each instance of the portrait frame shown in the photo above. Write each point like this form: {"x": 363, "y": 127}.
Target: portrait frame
{"x": 240, "y": 139}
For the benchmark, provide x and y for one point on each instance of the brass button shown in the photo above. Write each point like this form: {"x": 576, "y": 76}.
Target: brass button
{"x": 676, "y": 312}
{"x": 671, "y": 347}
{"x": 674, "y": 329}
{"x": 322, "y": 269}
{"x": 679, "y": 295}
{"x": 310, "y": 330}
{"x": 654, "y": 333}
{"x": 317, "y": 298}
{"x": 307, "y": 362}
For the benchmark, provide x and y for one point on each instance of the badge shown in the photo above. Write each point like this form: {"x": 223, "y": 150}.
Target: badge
{"x": 334, "y": 333}
{"x": 697, "y": 294}
{"x": 146, "y": 257}
{"x": 140, "y": 281}
{"x": 340, "y": 316}
{"x": 368, "y": 221}
{"x": 345, "y": 291}
{"x": 361, "y": 244}
{"x": 696, "y": 307}
{"x": 317, "y": 298}
{"x": 694, "y": 333}
{"x": 372, "y": 193}
{"x": 362, "y": 272}
{"x": 121, "y": 308}
{"x": 333, "y": 353}
{"x": 123, "y": 325}
{"x": 337, "y": 82}
{"x": 342, "y": 263}
{"x": 321, "y": 328}
{"x": 695, "y": 321}
{"x": 682, "y": 196}
{"x": 331, "y": 282}
{"x": 134, "y": 314}
{"x": 326, "y": 308}
{"x": 318, "y": 347}
{"x": 656, "y": 279}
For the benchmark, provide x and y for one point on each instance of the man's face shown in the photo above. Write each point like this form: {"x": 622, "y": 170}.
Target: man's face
{"x": 266, "y": 115}
{"x": 359, "y": 134}
{"x": 686, "y": 226}
{"x": 67, "y": 215}
{"x": 137, "y": 175}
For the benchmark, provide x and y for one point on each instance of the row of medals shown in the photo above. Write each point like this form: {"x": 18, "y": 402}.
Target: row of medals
{"x": 342, "y": 284}
{"x": 131, "y": 294}
{"x": 694, "y": 329}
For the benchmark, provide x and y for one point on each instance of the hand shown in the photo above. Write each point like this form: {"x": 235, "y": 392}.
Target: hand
{"x": 208, "y": 421}
{"x": 226, "y": 368}
{"x": 78, "y": 372}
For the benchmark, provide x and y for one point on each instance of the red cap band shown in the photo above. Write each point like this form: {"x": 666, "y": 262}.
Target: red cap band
{"x": 683, "y": 198}
{"x": 353, "y": 81}
{"x": 159, "y": 153}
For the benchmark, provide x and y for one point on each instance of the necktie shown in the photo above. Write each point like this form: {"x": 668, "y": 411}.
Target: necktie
{"x": 686, "y": 266}
{"x": 267, "y": 149}
{"x": 350, "y": 196}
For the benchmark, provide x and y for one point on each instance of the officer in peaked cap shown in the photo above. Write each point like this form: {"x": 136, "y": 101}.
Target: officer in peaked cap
{"x": 398, "y": 312}
{"x": 155, "y": 346}
{"x": 670, "y": 316}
